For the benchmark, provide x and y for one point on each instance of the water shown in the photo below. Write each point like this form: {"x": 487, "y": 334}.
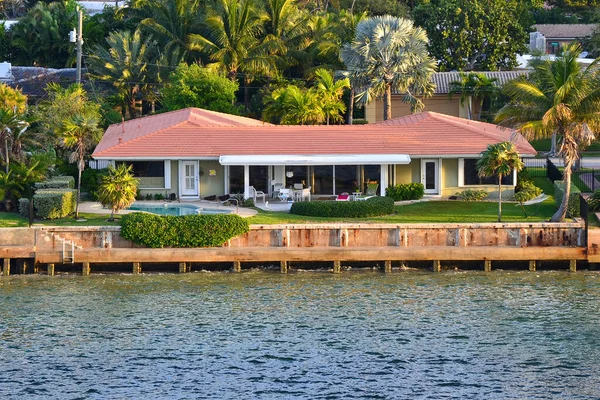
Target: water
{"x": 166, "y": 209}
{"x": 306, "y": 335}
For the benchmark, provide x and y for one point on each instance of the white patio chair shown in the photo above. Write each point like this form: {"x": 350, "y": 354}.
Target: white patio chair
{"x": 256, "y": 194}
{"x": 298, "y": 186}
{"x": 276, "y": 188}
{"x": 285, "y": 194}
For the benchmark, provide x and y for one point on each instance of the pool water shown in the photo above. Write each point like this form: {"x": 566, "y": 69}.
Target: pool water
{"x": 176, "y": 209}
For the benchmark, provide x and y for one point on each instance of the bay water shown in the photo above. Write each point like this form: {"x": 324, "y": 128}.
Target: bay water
{"x": 305, "y": 335}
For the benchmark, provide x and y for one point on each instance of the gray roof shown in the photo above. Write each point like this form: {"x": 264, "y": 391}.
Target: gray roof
{"x": 442, "y": 79}
{"x": 565, "y": 31}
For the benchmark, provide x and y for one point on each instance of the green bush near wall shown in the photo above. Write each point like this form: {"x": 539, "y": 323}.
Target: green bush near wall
{"x": 159, "y": 231}
{"x": 373, "y": 207}
{"x": 54, "y": 203}
{"x": 573, "y": 205}
{"x": 405, "y": 191}
{"x": 57, "y": 182}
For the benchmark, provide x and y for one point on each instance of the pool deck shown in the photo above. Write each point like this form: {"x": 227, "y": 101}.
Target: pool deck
{"x": 96, "y": 208}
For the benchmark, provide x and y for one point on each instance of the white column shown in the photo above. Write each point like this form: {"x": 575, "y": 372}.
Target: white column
{"x": 246, "y": 181}
{"x": 383, "y": 184}
{"x": 226, "y": 179}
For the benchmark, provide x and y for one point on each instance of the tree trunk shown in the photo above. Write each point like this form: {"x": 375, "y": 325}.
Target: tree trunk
{"x": 246, "y": 94}
{"x": 78, "y": 190}
{"x": 499, "y": 198}
{"x": 553, "y": 144}
{"x": 131, "y": 107}
{"x": 349, "y": 116}
{"x": 387, "y": 102}
{"x": 561, "y": 213}
{"x": 470, "y": 109}
{"x": 6, "y": 154}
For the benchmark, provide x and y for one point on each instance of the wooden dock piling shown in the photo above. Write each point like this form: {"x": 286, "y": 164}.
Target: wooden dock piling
{"x": 183, "y": 268}
{"x": 85, "y": 268}
{"x": 284, "y": 267}
{"x": 437, "y": 266}
{"x": 50, "y": 269}
{"x": 487, "y": 265}
{"x": 573, "y": 265}
{"x": 387, "y": 266}
{"x": 337, "y": 267}
{"x": 6, "y": 267}
{"x": 237, "y": 266}
{"x": 137, "y": 267}
{"x": 532, "y": 265}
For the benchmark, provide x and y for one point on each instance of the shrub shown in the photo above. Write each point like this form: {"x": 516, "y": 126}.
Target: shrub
{"x": 594, "y": 201}
{"x": 54, "y": 203}
{"x": 573, "y": 204}
{"x": 90, "y": 181}
{"x": 372, "y": 207}
{"x": 249, "y": 202}
{"x": 57, "y": 182}
{"x": 472, "y": 195}
{"x": 24, "y": 207}
{"x": 158, "y": 231}
{"x": 527, "y": 192}
{"x": 405, "y": 191}
{"x": 159, "y": 196}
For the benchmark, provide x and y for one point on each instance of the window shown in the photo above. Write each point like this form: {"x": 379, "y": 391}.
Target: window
{"x": 472, "y": 178}
{"x": 236, "y": 179}
{"x": 148, "y": 169}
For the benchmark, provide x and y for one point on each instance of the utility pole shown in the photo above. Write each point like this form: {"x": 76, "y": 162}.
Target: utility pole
{"x": 76, "y": 36}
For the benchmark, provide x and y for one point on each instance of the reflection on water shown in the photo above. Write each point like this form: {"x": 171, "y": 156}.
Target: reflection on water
{"x": 310, "y": 335}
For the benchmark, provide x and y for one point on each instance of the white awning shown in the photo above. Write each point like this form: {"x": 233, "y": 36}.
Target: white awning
{"x": 315, "y": 159}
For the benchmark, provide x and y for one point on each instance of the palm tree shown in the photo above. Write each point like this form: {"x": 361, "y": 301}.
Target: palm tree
{"x": 172, "y": 22}
{"x": 474, "y": 86}
{"x": 558, "y": 97}
{"x": 294, "y": 106}
{"x": 13, "y": 124}
{"x": 330, "y": 94}
{"x": 79, "y": 134}
{"x": 118, "y": 188}
{"x": 11, "y": 98}
{"x": 232, "y": 41}
{"x": 128, "y": 64}
{"x": 500, "y": 160}
{"x": 389, "y": 54}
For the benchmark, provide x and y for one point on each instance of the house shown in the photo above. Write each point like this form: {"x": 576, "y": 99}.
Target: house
{"x": 551, "y": 37}
{"x": 441, "y": 101}
{"x": 197, "y": 153}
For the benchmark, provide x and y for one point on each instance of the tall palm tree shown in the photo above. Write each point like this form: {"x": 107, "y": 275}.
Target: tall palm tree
{"x": 118, "y": 188}
{"x": 389, "y": 54}
{"x": 330, "y": 94}
{"x": 559, "y": 96}
{"x": 172, "y": 22}
{"x": 294, "y": 106}
{"x": 13, "y": 124}
{"x": 79, "y": 134}
{"x": 129, "y": 64}
{"x": 500, "y": 160}
{"x": 233, "y": 28}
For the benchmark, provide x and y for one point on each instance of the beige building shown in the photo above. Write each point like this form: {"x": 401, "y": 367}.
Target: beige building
{"x": 441, "y": 102}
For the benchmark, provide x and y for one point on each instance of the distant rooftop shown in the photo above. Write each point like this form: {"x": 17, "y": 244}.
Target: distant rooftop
{"x": 565, "y": 31}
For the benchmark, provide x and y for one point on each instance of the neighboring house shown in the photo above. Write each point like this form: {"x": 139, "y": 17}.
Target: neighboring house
{"x": 198, "y": 153}
{"x": 551, "y": 37}
{"x": 441, "y": 101}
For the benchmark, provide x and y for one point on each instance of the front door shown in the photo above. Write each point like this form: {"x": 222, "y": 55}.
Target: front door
{"x": 430, "y": 176}
{"x": 189, "y": 173}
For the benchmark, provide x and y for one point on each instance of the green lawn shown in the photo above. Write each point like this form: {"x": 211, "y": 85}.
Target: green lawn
{"x": 545, "y": 144}
{"x": 9, "y": 220}
{"x": 424, "y": 212}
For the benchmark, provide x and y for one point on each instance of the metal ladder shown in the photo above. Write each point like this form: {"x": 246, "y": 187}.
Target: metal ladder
{"x": 68, "y": 249}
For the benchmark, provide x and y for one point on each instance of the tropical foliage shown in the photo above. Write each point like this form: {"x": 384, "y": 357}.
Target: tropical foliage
{"x": 389, "y": 54}
{"x": 559, "y": 97}
{"x": 118, "y": 188}
{"x": 475, "y": 88}
{"x": 500, "y": 160}
{"x": 195, "y": 86}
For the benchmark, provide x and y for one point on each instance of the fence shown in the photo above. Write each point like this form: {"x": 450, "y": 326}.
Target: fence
{"x": 536, "y": 166}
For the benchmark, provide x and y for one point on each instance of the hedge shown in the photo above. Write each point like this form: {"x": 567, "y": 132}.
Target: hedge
{"x": 159, "y": 231}
{"x": 405, "y": 191}
{"x": 57, "y": 182}
{"x": 573, "y": 205}
{"x": 373, "y": 207}
{"x": 54, "y": 203}
{"x": 24, "y": 207}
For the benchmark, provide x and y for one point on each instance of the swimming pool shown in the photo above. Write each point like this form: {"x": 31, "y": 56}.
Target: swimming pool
{"x": 176, "y": 209}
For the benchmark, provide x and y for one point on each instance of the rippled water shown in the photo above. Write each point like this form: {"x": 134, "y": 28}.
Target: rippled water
{"x": 311, "y": 335}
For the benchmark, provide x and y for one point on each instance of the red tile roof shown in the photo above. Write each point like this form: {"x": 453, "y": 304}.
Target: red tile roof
{"x": 194, "y": 133}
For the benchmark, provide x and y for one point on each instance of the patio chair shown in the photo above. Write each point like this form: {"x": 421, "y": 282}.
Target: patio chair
{"x": 371, "y": 191}
{"x": 536, "y": 200}
{"x": 276, "y": 188}
{"x": 227, "y": 199}
{"x": 257, "y": 194}
{"x": 343, "y": 197}
{"x": 285, "y": 194}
